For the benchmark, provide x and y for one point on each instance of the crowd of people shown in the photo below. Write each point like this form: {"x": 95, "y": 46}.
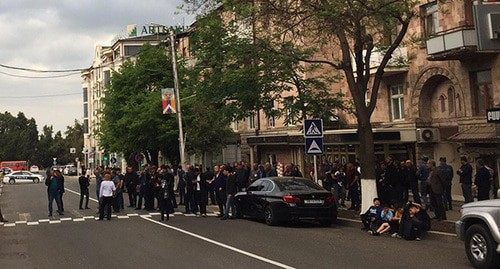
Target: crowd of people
{"x": 196, "y": 187}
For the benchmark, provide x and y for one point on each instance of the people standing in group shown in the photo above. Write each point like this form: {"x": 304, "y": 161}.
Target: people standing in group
{"x": 411, "y": 173}
{"x": 242, "y": 176}
{"x": 447, "y": 172}
{"x": 437, "y": 183}
{"x": 465, "y": 174}
{"x": 54, "y": 186}
{"x": 98, "y": 180}
{"x": 208, "y": 177}
{"x": 166, "y": 190}
{"x": 60, "y": 178}
{"x": 181, "y": 186}
{"x": 482, "y": 181}
{"x": 220, "y": 188}
{"x": 352, "y": 181}
{"x": 255, "y": 173}
{"x": 189, "y": 200}
{"x": 270, "y": 170}
{"x": 201, "y": 192}
{"x": 118, "y": 197}
{"x": 231, "y": 190}
{"x": 131, "y": 183}
{"x": 84, "y": 183}
{"x": 423, "y": 178}
{"x": 106, "y": 196}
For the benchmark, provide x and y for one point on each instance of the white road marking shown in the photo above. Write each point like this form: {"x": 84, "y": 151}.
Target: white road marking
{"x": 79, "y": 219}
{"x": 43, "y": 220}
{"x": 21, "y": 222}
{"x": 246, "y": 253}
{"x": 155, "y": 214}
{"x": 9, "y": 225}
{"x": 33, "y": 223}
{"x": 88, "y": 217}
{"x": 178, "y": 213}
{"x": 133, "y": 215}
{"x": 54, "y": 221}
{"x": 123, "y": 217}
{"x": 65, "y": 219}
{"x": 77, "y": 193}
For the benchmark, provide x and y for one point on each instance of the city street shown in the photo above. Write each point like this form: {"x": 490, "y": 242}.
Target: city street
{"x": 137, "y": 239}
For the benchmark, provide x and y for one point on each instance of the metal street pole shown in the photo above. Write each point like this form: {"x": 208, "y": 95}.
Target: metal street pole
{"x": 178, "y": 100}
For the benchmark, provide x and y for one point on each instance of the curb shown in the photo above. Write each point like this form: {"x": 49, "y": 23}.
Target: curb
{"x": 432, "y": 235}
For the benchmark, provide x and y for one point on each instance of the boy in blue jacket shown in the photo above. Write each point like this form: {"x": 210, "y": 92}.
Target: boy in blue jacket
{"x": 371, "y": 215}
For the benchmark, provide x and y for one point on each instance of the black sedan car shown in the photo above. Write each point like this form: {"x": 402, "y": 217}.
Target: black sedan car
{"x": 277, "y": 199}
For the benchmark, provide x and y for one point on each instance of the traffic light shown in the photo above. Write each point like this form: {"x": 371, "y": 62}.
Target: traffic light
{"x": 106, "y": 158}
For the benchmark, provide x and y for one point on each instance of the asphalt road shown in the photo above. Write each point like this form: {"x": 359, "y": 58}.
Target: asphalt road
{"x": 137, "y": 239}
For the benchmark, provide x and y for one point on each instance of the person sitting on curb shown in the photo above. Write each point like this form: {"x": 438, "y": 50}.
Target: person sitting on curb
{"x": 371, "y": 215}
{"x": 385, "y": 216}
{"x": 414, "y": 221}
{"x": 391, "y": 224}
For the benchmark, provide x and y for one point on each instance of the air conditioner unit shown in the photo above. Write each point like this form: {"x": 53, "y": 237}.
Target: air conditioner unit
{"x": 428, "y": 135}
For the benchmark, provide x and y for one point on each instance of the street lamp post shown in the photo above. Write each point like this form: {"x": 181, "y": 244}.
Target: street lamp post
{"x": 177, "y": 99}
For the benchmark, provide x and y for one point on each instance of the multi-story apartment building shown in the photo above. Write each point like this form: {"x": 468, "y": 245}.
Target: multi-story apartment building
{"x": 432, "y": 103}
{"x": 97, "y": 78}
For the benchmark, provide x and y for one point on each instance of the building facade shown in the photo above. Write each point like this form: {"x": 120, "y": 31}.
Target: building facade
{"x": 431, "y": 103}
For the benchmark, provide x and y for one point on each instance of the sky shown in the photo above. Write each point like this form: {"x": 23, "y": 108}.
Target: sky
{"x": 63, "y": 34}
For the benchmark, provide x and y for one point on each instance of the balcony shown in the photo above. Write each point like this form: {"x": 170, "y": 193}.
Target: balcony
{"x": 396, "y": 65}
{"x": 455, "y": 44}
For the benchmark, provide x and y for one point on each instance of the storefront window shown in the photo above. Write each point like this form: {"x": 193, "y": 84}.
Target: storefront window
{"x": 482, "y": 91}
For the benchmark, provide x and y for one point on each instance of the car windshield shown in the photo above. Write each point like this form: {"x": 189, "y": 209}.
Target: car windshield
{"x": 297, "y": 184}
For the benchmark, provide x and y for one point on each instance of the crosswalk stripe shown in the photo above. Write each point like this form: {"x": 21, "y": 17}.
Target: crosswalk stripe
{"x": 66, "y": 219}
{"x": 79, "y": 219}
{"x": 21, "y": 222}
{"x": 54, "y": 221}
{"x": 33, "y": 223}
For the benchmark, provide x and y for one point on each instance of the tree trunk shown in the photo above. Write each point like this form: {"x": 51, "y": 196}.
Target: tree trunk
{"x": 367, "y": 162}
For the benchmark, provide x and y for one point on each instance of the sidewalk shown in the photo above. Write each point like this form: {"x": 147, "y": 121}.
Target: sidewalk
{"x": 440, "y": 229}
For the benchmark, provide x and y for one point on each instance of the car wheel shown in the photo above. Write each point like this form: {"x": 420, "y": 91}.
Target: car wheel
{"x": 238, "y": 214}
{"x": 326, "y": 222}
{"x": 36, "y": 180}
{"x": 480, "y": 247}
{"x": 269, "y": 216}
{"x": 12, "y": 181}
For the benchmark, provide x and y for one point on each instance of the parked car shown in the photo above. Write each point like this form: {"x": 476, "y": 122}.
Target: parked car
{"x": 479, "y": 228}
{"x": 22, "y": 176}
{"x": 277, "y": 199}
{"x": 70, "y": 170}
{"x": 34, "y": 169}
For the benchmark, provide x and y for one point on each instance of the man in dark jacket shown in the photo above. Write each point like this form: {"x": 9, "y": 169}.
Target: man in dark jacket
{"x": 437, "y": 184}
{"x": 447, "y": 172}
{"x": 411, "y": 173}
{"x": 53, "y": 187}
{"x": 84, "y": 190}
{"x": 231, "y": 190}
{"x": 423, "y": 177}
{"x": 482, "y": 181}
{"x": 465, "y": 173}
{"x": 219, "y": 183}
{"x": 131, "y": 182}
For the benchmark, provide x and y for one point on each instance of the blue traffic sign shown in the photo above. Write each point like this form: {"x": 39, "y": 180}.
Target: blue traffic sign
{"x": 113, "y": 160}
{"x": 313, "y": 128}
{"x": 314, "y": 146}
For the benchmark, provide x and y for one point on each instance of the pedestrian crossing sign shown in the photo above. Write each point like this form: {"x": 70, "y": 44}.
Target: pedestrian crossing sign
{"x": 313, "y": 128}
{"x": 314, "y": 146}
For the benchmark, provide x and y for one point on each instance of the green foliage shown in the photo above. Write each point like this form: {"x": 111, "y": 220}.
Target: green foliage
{"x": 19, "y": 140}
{"x": 132, "y": 120}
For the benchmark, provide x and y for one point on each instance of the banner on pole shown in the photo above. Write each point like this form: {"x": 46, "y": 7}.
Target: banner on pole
{"x": 168, "y": 101}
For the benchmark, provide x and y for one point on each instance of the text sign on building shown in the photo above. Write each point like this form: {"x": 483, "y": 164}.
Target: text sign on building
{"x": 314, "y": 146}
{"x": 493, "y": 115}
{"x": 313, "y": 128}
{"x": 135, "y": 30}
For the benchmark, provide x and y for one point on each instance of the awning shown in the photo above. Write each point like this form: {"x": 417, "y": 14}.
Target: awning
{"x": 479, "y": 134}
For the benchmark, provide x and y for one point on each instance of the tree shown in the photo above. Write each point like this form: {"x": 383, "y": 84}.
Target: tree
{"x": 131, "y": 119}
{"x": 335, "y": 34}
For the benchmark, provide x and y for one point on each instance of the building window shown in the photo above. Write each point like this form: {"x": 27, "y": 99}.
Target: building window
{"x": 86, "y": 126}
{"x": 85, "y": 110}
{"x": 451, "y": 100}
{"x": 234, "y": 125}
{"x": 459, "y": 103}
{"x": 85, "y": 95}
{"x": 442, "y": 103}
{"x": 482, "y": 91}
{"x": 132, "y": 50}
{"x": 107, "y": 78}
{"x": 290, "y": 112}
{"x": 251, "y": 120}
{"x": 397, "y": 102}
{"x": 430, "y": 19}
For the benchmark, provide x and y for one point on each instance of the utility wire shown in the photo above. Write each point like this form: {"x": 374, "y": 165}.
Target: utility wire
{"x": 22, "y": 76}
{"x": 42, "y": 71}
{"x": 39, "y": 96}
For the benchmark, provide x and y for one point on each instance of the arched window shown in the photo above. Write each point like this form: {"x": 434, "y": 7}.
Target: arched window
{"x": 442, "y": 102}
{"x": 451, "y": 100}
{"x": 458, "y": 102}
